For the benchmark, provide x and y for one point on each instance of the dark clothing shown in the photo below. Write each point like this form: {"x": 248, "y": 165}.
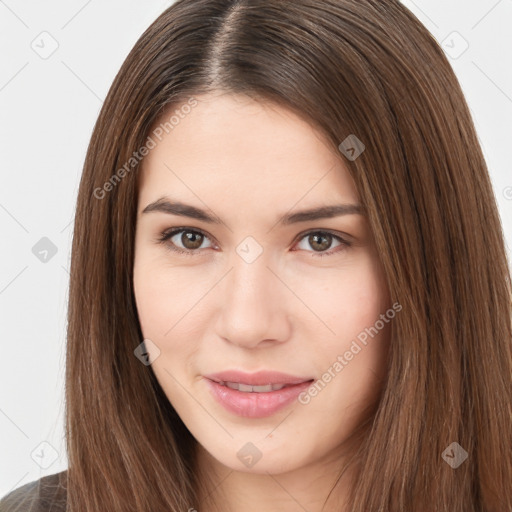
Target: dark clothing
{"x": 48, "y": 494}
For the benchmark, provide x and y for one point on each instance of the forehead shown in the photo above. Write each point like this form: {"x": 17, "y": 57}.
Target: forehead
{"x": 255, "y": 153}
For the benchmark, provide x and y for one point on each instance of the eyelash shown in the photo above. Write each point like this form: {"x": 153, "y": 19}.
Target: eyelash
{"x": 165, "y": 236}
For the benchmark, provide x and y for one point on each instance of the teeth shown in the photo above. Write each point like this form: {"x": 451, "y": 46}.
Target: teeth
{"x": 253, "y": 389}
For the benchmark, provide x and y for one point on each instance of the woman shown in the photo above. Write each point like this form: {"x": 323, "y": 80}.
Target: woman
{"x": 289, "y": 287}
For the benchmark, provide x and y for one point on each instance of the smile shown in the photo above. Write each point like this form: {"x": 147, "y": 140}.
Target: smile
{"x": 246, "y": 388}
{"x": 256, "y": 399}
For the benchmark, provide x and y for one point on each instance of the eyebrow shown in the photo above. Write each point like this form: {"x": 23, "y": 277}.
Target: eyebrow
{"x": 165, "y": 205}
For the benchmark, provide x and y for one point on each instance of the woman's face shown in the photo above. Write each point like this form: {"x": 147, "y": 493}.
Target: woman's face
{"x": 260, "y": 287}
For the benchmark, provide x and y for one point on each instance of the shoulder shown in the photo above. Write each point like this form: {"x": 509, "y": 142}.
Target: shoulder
{"x": 48, "y": 494}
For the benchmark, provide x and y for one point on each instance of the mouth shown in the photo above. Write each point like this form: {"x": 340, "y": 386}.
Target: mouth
{"x": 256, "y": 395}
{"x": 247, "y": 388}
{"x": 262, "y": 381}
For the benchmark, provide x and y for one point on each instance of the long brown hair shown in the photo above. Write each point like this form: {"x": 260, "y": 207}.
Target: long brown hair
{"x": 367, "y": 68}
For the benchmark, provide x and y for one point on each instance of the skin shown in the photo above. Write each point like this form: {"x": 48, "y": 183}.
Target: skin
{"x": 250, "y": 163}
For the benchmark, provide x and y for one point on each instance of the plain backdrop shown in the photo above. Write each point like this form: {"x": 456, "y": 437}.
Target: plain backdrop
{"x": 58, "y": 60}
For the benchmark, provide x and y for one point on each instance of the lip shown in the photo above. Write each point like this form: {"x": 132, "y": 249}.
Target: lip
{"x": 261, "y": 378}
{"x": 253, "y": 404}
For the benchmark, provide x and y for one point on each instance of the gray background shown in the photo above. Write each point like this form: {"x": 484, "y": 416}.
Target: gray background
{"x": 49, "y": 103}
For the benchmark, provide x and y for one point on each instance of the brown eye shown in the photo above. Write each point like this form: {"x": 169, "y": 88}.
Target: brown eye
{"x": 185, "y": 241}
{"x": 191, "y": 239}
{"x": 321, "y": 241}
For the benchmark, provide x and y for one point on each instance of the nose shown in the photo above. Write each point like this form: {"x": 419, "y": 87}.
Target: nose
{"x": 253, "y": 305}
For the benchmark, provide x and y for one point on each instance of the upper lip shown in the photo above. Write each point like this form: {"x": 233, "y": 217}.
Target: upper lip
{"x": 261, "y": 378}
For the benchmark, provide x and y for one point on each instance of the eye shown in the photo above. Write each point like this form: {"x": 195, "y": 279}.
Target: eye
{"x": 190, "y": 240}
{"x": 322, "y": 240}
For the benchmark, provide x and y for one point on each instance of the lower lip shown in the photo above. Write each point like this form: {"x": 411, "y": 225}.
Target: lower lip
{"x": 255, "y": 405}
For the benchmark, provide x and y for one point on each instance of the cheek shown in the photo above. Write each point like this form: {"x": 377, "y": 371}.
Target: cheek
{"x": 366, "y": 302}
{"x": 158, "y": 293}
{"x": 169, "y": 306}
{"x": 352, "y": 299}
{"x": 352, "y": 309}
{"x": 161, "y": 306}
{"x": 151, "y": 301}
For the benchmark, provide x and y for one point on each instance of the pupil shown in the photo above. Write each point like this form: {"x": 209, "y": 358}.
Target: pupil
{"x": 315, "y": 238}
{"x": 188, "y": 240}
